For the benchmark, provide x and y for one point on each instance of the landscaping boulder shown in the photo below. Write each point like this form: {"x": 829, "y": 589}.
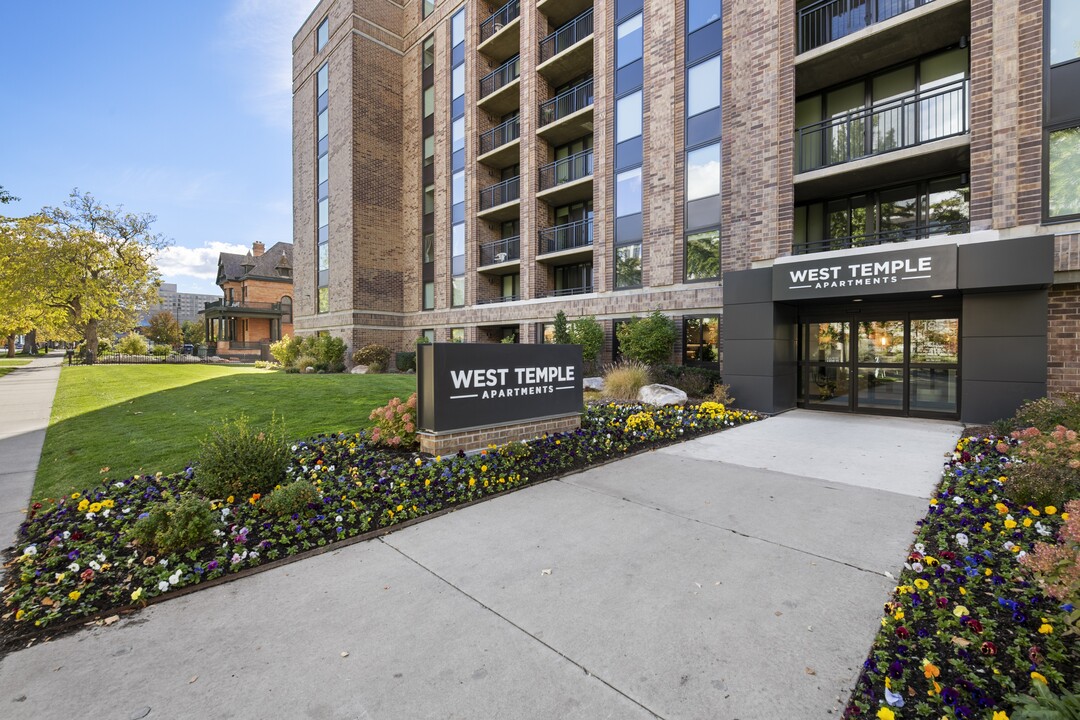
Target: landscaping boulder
{"x": 359, "y": 370}
{"x": 661, "y": 395}
{"x": 596, "y": 384}
{"x": 309, "y": 370}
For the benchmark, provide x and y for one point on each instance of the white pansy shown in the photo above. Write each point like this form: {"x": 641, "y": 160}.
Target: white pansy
{"x": 74, "y": 567}
{"x": 163, "y": 585}
{"x": 30, "y": 550}
{"x": 962, "y": 539}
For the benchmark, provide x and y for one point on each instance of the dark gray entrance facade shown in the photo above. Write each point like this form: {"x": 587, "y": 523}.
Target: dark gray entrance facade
{"x": 937, "y": 329}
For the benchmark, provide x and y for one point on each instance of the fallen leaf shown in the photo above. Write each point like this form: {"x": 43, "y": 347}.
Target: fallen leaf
{"x": 110, "y": 620}
{"x": 778, "y": 613}
{"x": 47, "y": 601}
{"x": 811, "y": 671}
{"x": 547, "y": 571}
{"x": 344, "y": 654}
{"x": 960, "y": 641}
{"x": 104, "y": 469}
{"x": 193, "y": 679}
{"x": 910, "y": 691}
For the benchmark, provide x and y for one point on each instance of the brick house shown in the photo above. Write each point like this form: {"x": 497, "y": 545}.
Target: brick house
{"x": 256, "y": 307}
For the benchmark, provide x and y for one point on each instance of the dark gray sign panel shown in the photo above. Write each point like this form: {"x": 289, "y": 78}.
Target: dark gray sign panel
{"x": 462, "y": 385}
{"x": 911, "y": 270}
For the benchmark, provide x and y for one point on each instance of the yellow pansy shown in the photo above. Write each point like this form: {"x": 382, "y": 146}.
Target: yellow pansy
{"x": 108, "y": 503}
{"x": 1046, "y": 628}
{"x": 19, "y": 614}
{"x": 75, "y": 496}
{"x": 1010, "y": 524}
{"x": 1039, "y": 676}
{"x": 1002, "y": 508}
{"x": 83, "y": 504}
{"x": 95, "y": 507}
{"x": 1027, "y": 522}
{"x": 921, "y": 584}
{"x": 885, "y": 714}
{"x": 74, "y": 595}
{"x": 137, "y": 594}
{"x": 1050, "y": 510}
{"x": 1000, "y": 715}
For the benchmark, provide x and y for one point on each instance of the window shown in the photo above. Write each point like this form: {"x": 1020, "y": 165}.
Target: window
{"x": 703, "y": 87}
{"x": 324, "y": 299}
{"x": 628, "y": 266}
{"x": 1064, "y": 172}
{"x": 511, "y": 286}
{"x": 429, "y": 52}
{"x": 457, "y": 294}
{"x": 429, "y": 199}
{"x": 1064, "y": 31}
{"x": 428, "y": 250}
{"x": 457, "y": 335}
{"x": 457, "y": 29}
{"x": 323, "y": 35}
{"x": 429, "y": 296}
{"x": 324, "y": 168}
{"x": 702, "y": 253}
{"x": 286, "y": 310}
{"x": 457, "y": 185}
{"x": 628, "y": 42}
{"x": 628, "y": 117}
{"x": 628, "y": 193}
{"x": 547, "y": 333}
{"x": 428, "y": 334}
{"x": 322, "y": 79}
{"x": 429, "y": 150}
{"x": 429, "y": 101}
{"x": 703, "y": 172}
{"x": 457, "y": 134}
{"x": 457, "y": 82}
{"x": 701, "y": 340}
{"x": 700, "y": 13}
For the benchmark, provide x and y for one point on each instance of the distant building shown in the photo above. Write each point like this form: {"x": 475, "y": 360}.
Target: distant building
{"x": 256, "y": 304}
{"x": 185, "y": 307}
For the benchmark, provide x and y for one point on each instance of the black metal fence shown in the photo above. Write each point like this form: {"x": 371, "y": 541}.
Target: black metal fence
{"x": 822, "y": 22}
{"x": 500, "y": 19}
{"x": 566, "y": 237}
{"x": 569, "y": 34}
{"x": 500, "y": 193}
{"x": 884, "y": 237}
{"x": 125, "y": 359}
{"x": 568, "y": 169}
{"x": 499, "y": 135}
{"x": 500, "y": 251}
{"x": 505, "y": 74}
{"x": 567, "y": 103}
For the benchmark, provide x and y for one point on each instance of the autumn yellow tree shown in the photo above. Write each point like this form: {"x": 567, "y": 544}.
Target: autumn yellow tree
{"x": 24, "y": 249}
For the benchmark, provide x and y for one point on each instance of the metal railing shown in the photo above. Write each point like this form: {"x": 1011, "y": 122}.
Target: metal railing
{"x": 822, "y": 22}
{"x": 916, "y": 232}
{"x": 569, "y": 169}
{"x": 247, "y": 345}
{"x": 566, "y": 237}
{"x": 499, "y": 19}
{"x": 499, "y": 193}
{"x": 501, "y": 76}
{"x": 500, "y": 251}
{"x": 566, "y": 103}
{"x": 499, "y": 135}
{"x": 242, "y": 305}
{"x": 569, "y": 34}
{"x": 170, "y": 359}
{"x": 906, "y": 122}
{"x": 500, "y": 299}
{"x": 580, "y": 290}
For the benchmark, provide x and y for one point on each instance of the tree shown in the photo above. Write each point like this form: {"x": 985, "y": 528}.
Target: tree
{"x": 193, "y": 332}
{"x": 6, "y": 197}
{"x": 24, "y": 252}
{"x": 562, "y": 334}
{"x": 589, "y": 334}
{"x": 648, "y": 340}
{"x": 164, "y": 329}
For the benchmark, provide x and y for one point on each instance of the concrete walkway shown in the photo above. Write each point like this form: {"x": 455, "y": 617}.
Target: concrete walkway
{"x": 675, "y": 584}
{"x": 26, "y": 398}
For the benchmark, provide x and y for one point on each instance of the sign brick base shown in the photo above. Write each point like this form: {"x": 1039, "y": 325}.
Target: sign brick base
{"x": 480, "y": 438}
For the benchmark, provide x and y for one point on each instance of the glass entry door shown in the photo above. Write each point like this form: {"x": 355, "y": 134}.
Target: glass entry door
{"x": 904, "y": 365}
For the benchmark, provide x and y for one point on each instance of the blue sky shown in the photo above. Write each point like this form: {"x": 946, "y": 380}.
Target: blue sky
{"x": 181, "y": 110}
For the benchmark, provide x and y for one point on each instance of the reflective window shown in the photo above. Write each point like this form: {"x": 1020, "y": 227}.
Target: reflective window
{"x": 703, "y": 172}
{"x": 935, "y": 341}
{"x": 458, "y": 239}
{"x": 457, "y": 134}
{"x": 324, "y": 299}
{"x": 324, "y": 123}
{"x": 702, "y": 253}
{"x": 429, "y": 295}
{"x": 323, "y": 79}
{"x": 703, "y": 87}
{"x": 457, "y": 82}
{"x": 701, "y": 342}
{"x": 457, "y": 28}
{"x": 324, "y": 168}
{"x": 947, "y": 205}
{"x": 457, "y": 335}
{"x": 628, "y": 41}
{"x": 628, "y": 266}
{"x": 429, "y": 101}
{"x": 429, "y": 52}
{"x": 428, "y": 335}
{"x": 1064, "y": 172}
{"x": 881, "y": 342}
{"x": 323, "y": 35}
{"x": 429, "y": 149}
{"x": 628, "y": 117}
{"x": 457, "y": 294}
{"x": 458, "y": 187}
{"x": 429, "y": 247}
{"x": 324, "y": 212}
{"x": 628, "y": 193}
{"x": 324, "y": 256}
{"x": 1064, "y": 31}
{"x": 700, "y": 13}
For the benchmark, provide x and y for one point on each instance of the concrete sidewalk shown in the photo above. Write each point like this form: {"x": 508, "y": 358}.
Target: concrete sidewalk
{"x": 669, "y": 585}
{"x": 26, "y": 398}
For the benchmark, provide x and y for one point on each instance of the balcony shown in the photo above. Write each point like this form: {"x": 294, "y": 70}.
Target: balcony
{"x": 499, "y": 299}
{"x": 563, "y": 292}
{"x": 568, "y": 115}
{"x": 567, "y": 52}
{"x": 558, "y": 12}
{"x": 917, "y": 232}
{"x": 567, "y": 180}
{"x": 838, "y": 39}
{"x": 241, "y": 308}
{"x": 500, "y": 34}
{"x": 500, "y": 257}
{"x": 568, "y": 243}
{"x": 499, "y": 88}
{"x": 499, "y": 146}
{"x": 501, "y": 201}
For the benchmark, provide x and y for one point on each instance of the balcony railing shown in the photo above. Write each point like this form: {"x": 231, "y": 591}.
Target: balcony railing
{"x": 822, "y": 22}
{"x": 500, "y": 251}
{"x": 502, "y": 76}
{"x": 243, "y": 305}
{"x": 906, "y": 122}
{"x": 569, "y": 34}
{"x": 580, "y": 290}
{"x": 499, "y": 19}
{"x": 916, "y": 232}
{"x": 500, "y": 193}
{"x": 500, "y": 299}
{"x": 499, "y": 135}
{"x": 566, "y": 103}
{"x": 566, "y": 237}
{"x": 247, "y": 344}
{"x": 569, "y": 169}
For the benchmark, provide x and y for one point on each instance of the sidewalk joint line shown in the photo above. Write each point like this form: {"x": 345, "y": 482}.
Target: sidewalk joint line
{"x": 513, "y": 624}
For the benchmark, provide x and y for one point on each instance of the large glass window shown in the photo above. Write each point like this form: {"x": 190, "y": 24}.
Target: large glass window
{"x": 428, "y": 250}
{"x": 457, "y": 82}
{"x": 628, "y": 117}
{"x": 457, "y": 134}
{"x": 457, "y": 28}
{"x": 628, "y": 41}
{"x": 458, "y": 187}
{"x": 429, "y": 52}
{"x": 702, "y": 254}
{"x": 1064, "y": 31}
{"x": 700, "y": 13}
{"x": 429, "y": 7}
{"x": 701, "y": 340}
{"x": 323, "y": 35}
{"x": 1064, "y": 172}
{"x": 628, "y": 266}
{"x": 429, "y": 296}
{"x": 457, "y": 335}
{"x": 457, "y": 287}
{"x": 628, "y": 193}
{"x": 703, "y": 87}
{"x": 703, "y": 172}
{"x": 323, "y": 79}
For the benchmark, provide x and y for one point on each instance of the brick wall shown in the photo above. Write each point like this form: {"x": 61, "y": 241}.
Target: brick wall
{"x": 484, "y": 437}
{"x": 1064, "y": 340}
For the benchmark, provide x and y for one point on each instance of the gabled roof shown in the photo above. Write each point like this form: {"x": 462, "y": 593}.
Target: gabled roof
{"x": 231, "y": 266}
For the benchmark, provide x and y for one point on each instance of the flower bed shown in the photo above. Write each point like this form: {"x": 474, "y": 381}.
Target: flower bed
{"x": 968, "y": 626}
{"x": 75, "y": 557}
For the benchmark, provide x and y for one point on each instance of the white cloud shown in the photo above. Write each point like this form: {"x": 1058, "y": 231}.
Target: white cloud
{"x": 198, "y": 262}
{"x": 261, "y": 31}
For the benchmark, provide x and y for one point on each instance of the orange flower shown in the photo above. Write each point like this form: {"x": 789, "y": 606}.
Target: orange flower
{"x": 930, "y": 670}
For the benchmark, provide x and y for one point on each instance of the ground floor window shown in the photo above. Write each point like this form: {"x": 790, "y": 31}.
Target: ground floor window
{"x": 547, "y": 333}
{"x": 457, "y": 335}
{"x": 428, "y": 334}
{"x": 1064, "y": 173}
{"x": 701, "y": 340}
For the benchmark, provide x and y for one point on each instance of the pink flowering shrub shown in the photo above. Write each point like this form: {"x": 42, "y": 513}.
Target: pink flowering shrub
{"x": 1058, "y": 565}
{"x": 1049, "y": 471}
{"x": 395, "y": 423}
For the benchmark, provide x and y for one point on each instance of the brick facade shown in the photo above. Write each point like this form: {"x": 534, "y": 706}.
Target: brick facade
{"x": 470, "y": 440}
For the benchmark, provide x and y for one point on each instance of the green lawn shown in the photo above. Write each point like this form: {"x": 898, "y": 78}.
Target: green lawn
{"x": 9, "y": 364}
{"x": 115, "y": 421}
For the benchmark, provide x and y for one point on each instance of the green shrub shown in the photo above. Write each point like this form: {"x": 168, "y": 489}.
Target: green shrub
{"x": 161, "y": 351}
{"x": 286, "y": 351}
{"x": 1047, "y": 413}
{"x": 104, "y": 346}
{"x": 405, "y": 361}
{"x": 695, "y": 381}
{"x": 132, "y": 344}
{"x": 1043, "y": 704}
{"x": 292, "y": 498}
{"x": 589, "y": 334}
{"x": 648, "y": 340}
{"x": 423, "y": 340}
{"x": 721, "y": 394}
{"x": 623, "y": 380}
{"x": 238, "y": 459}
{"x": 1049, "y": 471}
{"x": 176, "y": 525}
{"x": 395, "y": 423}
{"x": 375, "y": 356}
{"x": 306, "y": 361}
{"x": 266, "y": 365}
{"x": 328, "y": 352}
{"x": 562, "y": 332}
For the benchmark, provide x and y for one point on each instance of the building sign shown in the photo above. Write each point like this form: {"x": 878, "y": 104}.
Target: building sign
{"x": 920, "y": 270}
{"x": 463, "y": 386}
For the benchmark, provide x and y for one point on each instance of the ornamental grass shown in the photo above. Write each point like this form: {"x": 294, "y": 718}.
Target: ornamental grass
{"x": 80, "y": 556}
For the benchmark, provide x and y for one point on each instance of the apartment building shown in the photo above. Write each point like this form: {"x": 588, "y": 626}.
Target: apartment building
{"x": 185, "y": 307}
{"x": 853, "y": 205}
